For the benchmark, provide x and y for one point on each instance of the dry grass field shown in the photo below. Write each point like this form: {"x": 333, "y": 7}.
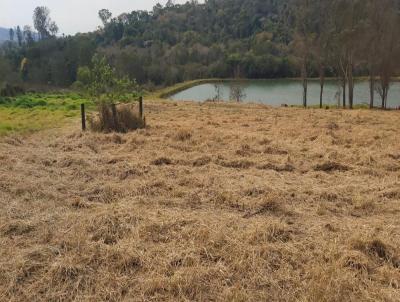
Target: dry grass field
{"x": 212, "y": 202}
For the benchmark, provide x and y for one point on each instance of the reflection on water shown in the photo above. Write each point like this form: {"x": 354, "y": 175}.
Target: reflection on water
{"x": 278, "y": 92}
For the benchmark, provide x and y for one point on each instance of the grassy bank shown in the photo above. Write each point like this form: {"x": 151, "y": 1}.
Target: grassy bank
{"x": 32, "y": 112}
{"x": 168, "y": 91}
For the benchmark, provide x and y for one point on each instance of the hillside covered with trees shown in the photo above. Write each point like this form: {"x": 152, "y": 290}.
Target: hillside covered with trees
{"x": 170, "y": 44}
{"x": 217, "y": 39}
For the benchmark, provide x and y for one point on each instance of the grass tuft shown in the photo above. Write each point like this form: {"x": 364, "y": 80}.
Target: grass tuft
{"x": 124, "y": 119}
{"x": 183, "y": 135}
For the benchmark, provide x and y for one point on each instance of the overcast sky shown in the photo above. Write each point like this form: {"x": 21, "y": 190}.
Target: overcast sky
{"x": 71, "y": 16}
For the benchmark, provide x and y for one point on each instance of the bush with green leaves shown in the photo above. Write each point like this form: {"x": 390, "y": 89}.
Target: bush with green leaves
{"x": 103, "y": 85}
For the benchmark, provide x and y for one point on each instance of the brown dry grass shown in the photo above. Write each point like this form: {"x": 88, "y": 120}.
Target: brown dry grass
{"x": 219, "y": 202}
{"x": 126, "y": 119}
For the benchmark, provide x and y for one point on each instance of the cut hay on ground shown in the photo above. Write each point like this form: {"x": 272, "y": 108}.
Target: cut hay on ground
{"x": 212, "y": 202}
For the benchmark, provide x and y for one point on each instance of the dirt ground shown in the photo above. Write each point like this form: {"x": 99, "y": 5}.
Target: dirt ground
{"x": 212, "y": 202}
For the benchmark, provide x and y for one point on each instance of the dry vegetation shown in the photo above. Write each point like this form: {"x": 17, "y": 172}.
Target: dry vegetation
{"x": 212, "y": 202}
{"x": 124, "y": 119}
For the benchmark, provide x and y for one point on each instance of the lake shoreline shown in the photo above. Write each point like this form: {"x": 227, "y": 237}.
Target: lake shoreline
{"x": 166, "y": 92}
{"x": 277, "y": 92}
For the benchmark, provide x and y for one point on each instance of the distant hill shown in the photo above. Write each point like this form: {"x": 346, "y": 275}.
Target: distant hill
{"x": 4, "y": 34}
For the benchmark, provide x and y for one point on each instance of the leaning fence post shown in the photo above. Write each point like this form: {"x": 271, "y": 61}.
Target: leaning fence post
{"x": 83, "y": 116}
{"x": 141, "y": 107}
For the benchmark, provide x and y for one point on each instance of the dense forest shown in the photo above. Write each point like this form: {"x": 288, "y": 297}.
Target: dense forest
{"x": 217, "y": 39}
{"x": 171, "y": 44}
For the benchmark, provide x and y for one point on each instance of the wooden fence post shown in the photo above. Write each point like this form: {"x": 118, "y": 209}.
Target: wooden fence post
{"x": 115, "y": 116}
{"x": 83, "y": 116}
{"x": 141, "y": 107}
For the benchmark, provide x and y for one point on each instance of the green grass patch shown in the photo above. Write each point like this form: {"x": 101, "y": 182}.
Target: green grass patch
{"x": 22, "y": 120}
{"x": 35, "y": 111}
{"x": 32, "y": 112}
{"x": 48, "y": 101}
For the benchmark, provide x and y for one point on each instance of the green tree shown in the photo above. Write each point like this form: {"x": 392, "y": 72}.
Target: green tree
{"x": 19, "y": 34}
{"x": 5, "y": 70}
{"x": 11, "y": 34}
{"x": 106, "y": 88}
{"x": 105, "y": 16}
{"x": 103, "y": 83}
{"x": 43, "y": 23}
{"x": 83, "y": 76}
{"x": 27, "y": 36}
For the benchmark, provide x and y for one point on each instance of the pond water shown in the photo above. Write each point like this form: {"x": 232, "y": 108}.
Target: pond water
{"x": 278, "y": 92}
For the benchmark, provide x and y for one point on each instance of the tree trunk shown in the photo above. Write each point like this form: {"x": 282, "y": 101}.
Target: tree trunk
{"x": 371, "y": 90}
{"x": 344, "y": 92}
{"x": 383, "y": 100}
{"x": 305, "y": 92}
{"x": 322, "y": 83}
{"x": 343, "y": 67}
{"x": 386, "y": 96}
{"x": 351, "y": 87}
{"x": 304, "y": 78}
{"x": 385, "y": 91}
{"x": 321, "y": 93}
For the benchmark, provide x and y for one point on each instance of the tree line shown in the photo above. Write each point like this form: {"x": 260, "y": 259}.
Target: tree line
{"x": 221, "y": 39}
{"x": 44, "y": 26}
{"x": 169, "y": 44}
{"x": 348, "y": 38}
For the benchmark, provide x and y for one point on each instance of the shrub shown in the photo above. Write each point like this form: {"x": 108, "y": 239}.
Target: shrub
{"x": 105, "y": 87}
{"x": 78, "y": 86}
{"x": 26, "y": 102}
{"x": 11, "y": 90}
{"x": 125, "y": 120}
{"x": 237, "y": 92}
